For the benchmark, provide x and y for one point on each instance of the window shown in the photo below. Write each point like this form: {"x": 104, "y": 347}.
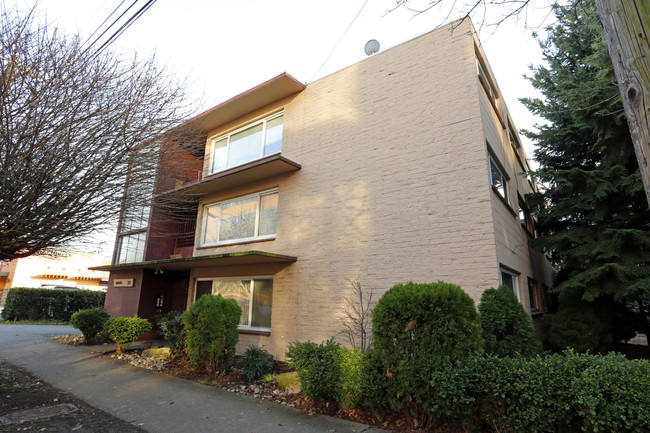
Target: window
{"x": 487, "y": 84}
{"x": 251, "y": 217}
{"x": 130, "y": 248}
{"x": 498, "y": 180}
{"x": 536, "y": 296}
{"x": 525, "y": 218}
{"x": 254, "y": 297}
{"x": 511, "y": 280}
{"x": 251, "y": 142}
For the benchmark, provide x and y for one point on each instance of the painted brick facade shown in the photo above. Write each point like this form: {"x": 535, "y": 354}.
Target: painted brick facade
{"x": 394, "y": 186}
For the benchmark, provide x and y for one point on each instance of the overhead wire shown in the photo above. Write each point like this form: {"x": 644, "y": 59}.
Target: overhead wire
{"x": 104, "y": 22}
{"x": 339, "y": 41}
{"x": 128, "y": 24}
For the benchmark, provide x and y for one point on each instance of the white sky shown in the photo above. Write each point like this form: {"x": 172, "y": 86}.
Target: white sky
{"x": 227, "y": 47}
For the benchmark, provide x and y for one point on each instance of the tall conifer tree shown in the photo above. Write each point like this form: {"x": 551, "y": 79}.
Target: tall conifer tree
{"x": 592, "y": 215}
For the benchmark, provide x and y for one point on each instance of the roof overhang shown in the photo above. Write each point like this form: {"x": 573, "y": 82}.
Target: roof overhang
{"x": 214, "y": 260}
{"x": 263, "y": 168}
{"x": 278, "y": 87}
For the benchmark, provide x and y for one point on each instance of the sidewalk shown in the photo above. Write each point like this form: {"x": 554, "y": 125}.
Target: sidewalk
{"x": 159, "y": 403}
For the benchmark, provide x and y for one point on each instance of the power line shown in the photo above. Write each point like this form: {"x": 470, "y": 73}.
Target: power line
{"x": 128, "y": 24}
{"x": 339, "y": 41}
{"x": 104, "y": 22}
{"x": 113, "y": 23}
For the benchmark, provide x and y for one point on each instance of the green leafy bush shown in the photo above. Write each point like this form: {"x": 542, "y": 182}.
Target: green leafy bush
{"x": 211, "y": 327}
{"x": 374, "y": 384}
{"x": 318, "y": 367}
{"x": 417, "y": 329}
{"x": 90, "y": 322}
{"x": 580, "y": 327}
{"x": 171, "y": 326}
{"x": 351, "y": 375}
{"x": 125, "y": 330}
{"x": 43, "y": 304}
{"x": 255, "y": 362}
{"x": 560, "y": 393}
{"x": 507, "y": 328}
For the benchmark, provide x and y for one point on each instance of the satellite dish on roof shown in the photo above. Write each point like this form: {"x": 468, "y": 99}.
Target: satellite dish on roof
{"x": 372, "y": 47}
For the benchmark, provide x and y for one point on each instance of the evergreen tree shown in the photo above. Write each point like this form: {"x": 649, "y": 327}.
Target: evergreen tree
{"x": 592, "y": 215}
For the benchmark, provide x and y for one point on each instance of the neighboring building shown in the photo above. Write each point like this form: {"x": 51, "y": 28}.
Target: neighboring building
{"x": 403, "y": 167}
{"x": 51, "y": 268}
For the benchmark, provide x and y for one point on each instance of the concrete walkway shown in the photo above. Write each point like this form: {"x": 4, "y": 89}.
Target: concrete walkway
{"x": 152, "y": 401}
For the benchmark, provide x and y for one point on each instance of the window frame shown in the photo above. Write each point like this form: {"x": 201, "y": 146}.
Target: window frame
{"x": 527, "y": 222}
{"x": 141, "y": 243}
{"x": 211, "y": 164}
{"x": 256, "y": 237}
{"x": 506, "y": 190}
{"x": 515, "y": 278}
{"x": 250, "y": 304}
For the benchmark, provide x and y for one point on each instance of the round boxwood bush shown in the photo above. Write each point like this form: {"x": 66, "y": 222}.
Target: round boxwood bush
{"x": 318, "y": 367}
{"x": 90, "y": 322}
{"x": 255, "y": 362}
{"x": 125, "y": 330}
{"x": 418, "y": 328}
{"x": 211, "y": 332}
{"x": 507, "y": 328}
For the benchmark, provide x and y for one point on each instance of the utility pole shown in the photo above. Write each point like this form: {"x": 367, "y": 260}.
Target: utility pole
{"x": 627, "y": 29}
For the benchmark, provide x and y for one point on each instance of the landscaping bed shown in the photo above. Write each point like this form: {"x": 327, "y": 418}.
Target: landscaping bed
{"x": 265, "y": 390}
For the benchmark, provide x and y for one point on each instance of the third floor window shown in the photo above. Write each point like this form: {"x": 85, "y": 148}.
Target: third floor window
{"x": 254, "y": 141}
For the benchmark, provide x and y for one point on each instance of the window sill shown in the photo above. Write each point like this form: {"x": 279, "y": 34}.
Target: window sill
{"x": 254, "y": 332}
{"x": 504, "y": 201}
{"x": 229, "y": 244}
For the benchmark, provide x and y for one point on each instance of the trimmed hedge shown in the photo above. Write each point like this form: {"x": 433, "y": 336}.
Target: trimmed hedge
{"x": 90, "y": 322}
{"x": 43, "y": 304}
{"x": 125, "y": 330}
{"x": 560, "y": 393}
{"x": 507, "y": 328}
{"x": 211, "y": 332}
{"x": 318, "y": 367}
{"x": 417, "y": 329}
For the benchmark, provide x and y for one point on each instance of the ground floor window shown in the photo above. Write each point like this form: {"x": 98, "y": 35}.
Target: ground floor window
{"x": 254, "y": 297}
{"x": 511, "y": 280}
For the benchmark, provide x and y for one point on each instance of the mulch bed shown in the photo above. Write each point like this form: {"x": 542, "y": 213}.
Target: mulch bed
{"x": 233, "y": 382}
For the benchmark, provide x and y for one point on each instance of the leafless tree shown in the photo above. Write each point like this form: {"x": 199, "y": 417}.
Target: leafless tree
{"x": 73, "y": 124}
{"x": 356, "y": 320}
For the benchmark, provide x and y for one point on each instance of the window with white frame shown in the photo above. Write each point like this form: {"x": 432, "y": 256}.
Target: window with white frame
{"x": 498, "y": 179}
{"x": 510, "y": 280}
{"x": 254, "y": 141}
{"x": 253, "y": 295}
{"x": 251, "y": 217}
{"x": 130, "y": 248}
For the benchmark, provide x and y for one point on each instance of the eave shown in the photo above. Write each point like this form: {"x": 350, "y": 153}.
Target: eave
{"x": 214, "y": 260}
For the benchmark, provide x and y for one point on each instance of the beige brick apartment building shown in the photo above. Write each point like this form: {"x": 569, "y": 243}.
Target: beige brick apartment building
{"x": 403, "y": 167}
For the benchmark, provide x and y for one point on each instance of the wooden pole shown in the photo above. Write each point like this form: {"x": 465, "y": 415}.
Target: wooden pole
{"x": 627, "y": 28}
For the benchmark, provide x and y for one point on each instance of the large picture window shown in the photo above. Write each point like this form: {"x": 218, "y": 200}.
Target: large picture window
{"x": 130, "y": 248}
{"x": 251, "y": 217}
{"x": 254, "y": 297}
{"x": 251, "y": 142}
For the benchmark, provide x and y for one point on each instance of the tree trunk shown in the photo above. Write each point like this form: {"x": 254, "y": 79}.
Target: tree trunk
{"x": 626, "y": 24}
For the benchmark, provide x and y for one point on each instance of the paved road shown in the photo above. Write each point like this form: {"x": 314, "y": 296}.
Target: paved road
{"x": 154, "y": 402}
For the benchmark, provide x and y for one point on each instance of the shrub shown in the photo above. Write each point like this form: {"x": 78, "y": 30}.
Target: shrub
{"x": 417, "y": 328}
{"x": 125, "y": 330}
{"x": 351, "y": 376}
{"x": 211, "y": 327}
{"x": 580, "y": 327}
{"x": 318, "y": 367}
{"x": 560, "y": 393}
{"x": 507, "y": 328}
{"x": 90, "y": 322}
{"x": 171, "y": 326}
{"x": 255, "y": 362}
{"x": 43, "y": 304}
{"x": 374, "y": 384}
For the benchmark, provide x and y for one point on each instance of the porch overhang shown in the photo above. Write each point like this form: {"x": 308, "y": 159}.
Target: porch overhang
{"x": 215, "y": 260}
